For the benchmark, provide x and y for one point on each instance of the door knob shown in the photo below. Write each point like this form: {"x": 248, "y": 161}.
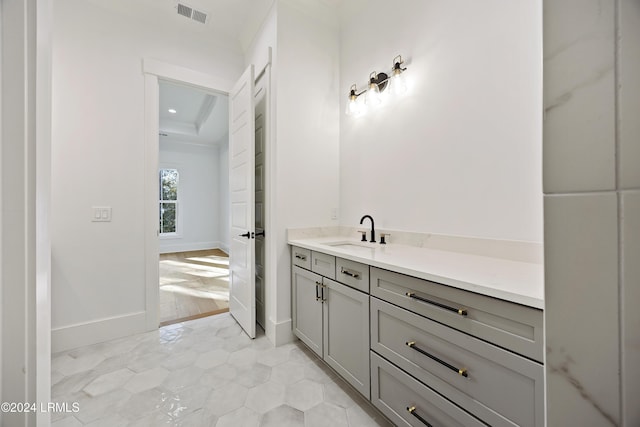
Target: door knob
{"x": 260, "y": 233}
{"x": 247, "y": 235}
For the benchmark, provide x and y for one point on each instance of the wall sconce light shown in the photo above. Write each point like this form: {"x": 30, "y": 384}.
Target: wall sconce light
{"x": 354, "y": 107}
{"x": 398, "y": 80}
{"x": 378, "y": 82}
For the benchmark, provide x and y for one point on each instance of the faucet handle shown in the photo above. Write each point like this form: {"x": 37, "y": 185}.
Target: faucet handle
{"x": 364, "y": 235}
{"x": 382, "y": 236}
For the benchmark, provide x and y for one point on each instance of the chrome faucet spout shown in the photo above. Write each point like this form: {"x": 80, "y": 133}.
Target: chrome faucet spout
{"x": 373, "y": 229}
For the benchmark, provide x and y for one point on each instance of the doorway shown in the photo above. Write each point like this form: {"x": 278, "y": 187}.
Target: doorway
{"x": 155, "y": 71}
{"x": 193, "y": 145}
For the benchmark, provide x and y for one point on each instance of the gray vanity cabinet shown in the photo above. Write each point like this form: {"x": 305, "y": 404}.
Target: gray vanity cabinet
{"x": 424, "y": 353}
{"x": 332, "y": 319}
{"x": 307, "y": 308}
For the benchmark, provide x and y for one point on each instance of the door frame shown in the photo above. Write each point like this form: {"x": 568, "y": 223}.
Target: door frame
{"x": 154, "y": 71}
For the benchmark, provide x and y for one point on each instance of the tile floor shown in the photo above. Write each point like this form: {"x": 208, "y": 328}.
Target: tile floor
{"x": 203, "y": 372}
{"x": 193, "y": 284}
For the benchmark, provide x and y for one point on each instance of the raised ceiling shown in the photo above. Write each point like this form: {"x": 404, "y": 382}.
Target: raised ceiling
{"x": 200, "y": 117}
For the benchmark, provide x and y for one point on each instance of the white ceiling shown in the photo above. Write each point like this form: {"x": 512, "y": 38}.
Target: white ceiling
{"x": 201, "y": 118}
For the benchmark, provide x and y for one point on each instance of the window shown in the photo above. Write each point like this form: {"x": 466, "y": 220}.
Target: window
{"x": 168, "y": 201}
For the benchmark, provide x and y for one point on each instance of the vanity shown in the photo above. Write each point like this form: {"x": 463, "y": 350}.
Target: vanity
{"x": 429, "y": 336}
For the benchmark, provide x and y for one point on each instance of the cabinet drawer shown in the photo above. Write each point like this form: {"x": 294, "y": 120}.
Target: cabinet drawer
{"x": 301, "y": 257}
{"x": 499, "y": 387}
{"x": 509, "y": 325}
{"x": 394, "y": 392}
{"x": 353, "y": 274}
{"x": 323, "y": 264}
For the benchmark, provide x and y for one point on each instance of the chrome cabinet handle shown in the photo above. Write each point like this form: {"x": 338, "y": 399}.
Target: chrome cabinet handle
{"x": 349, "y": 273}
{"x": 302, "y": 257}
{"x": 460, "y": 311}
{"x": 412, "y": 411}
{"x": 320, "y": 297}
{"x": 462, "y": 372}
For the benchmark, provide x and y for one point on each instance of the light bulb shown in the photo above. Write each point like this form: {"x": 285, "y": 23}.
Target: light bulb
{"x": 353, "y": 106}
{"x": 373, "y": 95}
{"x": 398, "y": 82}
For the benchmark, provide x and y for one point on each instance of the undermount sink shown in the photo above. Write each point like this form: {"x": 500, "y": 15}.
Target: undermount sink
{"x": 350, "y": 246}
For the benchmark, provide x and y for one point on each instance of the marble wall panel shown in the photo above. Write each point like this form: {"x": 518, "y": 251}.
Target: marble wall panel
{"x": 579, "y": 95}
{"x": 630, "y": 312}
{"x": 581, "y": 309}
{"x": 629, "y": 93}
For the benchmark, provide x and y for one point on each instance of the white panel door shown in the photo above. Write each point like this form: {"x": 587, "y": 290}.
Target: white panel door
{"x": 242, "y": 293}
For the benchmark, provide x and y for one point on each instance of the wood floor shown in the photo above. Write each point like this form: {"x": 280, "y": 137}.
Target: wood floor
{"x": 193, "y": 284}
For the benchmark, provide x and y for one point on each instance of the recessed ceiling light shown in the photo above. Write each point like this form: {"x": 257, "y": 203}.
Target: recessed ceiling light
{"x": 172, "y": 110}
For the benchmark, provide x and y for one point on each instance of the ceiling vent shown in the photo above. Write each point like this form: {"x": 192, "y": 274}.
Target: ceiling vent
{"x": 191, "y": 13}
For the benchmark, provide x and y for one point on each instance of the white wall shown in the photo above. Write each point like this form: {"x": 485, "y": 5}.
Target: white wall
{"x": 307, "y": 152}
{"x": 460, "y": 154}
{"x": 201, "y": 205}
{"x": 98, "y": 159}
{"x": 304, "y": 136}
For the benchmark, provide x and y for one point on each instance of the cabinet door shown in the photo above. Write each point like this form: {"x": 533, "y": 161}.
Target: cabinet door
{"x": 346, "y": 333}
{"x": 307, "y": 311}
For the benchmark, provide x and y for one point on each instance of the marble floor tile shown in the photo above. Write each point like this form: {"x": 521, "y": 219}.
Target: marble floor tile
{"x": 304, "y": 394}
{"x": 146, "y": 380}
{"x": 108, "y": 382}
{"x": 230, "y": 398}
{"x": 254, "y": 375}
{"x": 183, "y": 378}
{"x": 326, "y": 414}
{"x": 242, "y": 417}
{"x": 212, "y": 358}
{"x": 283, "y": 416}
{"x": 288, "y": 372}
{"x": 204, "y": 372}
{"x": 265, "y": 397}
{"x": 67, "y": 422}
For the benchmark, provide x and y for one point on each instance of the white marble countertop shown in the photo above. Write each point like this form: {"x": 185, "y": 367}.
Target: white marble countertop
{"x": 515, "y": 281}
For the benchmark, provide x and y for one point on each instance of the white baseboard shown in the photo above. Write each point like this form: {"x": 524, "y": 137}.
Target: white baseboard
{"x": 167, "y": 248}
{"x": 280, "y": 333}
{"x": 79, "y": 335}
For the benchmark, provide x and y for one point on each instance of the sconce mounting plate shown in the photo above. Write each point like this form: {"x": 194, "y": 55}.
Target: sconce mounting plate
{"x": 382, "y": 79}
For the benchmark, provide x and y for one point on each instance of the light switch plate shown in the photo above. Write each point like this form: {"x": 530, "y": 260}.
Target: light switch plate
{"x": 101, "y": 214}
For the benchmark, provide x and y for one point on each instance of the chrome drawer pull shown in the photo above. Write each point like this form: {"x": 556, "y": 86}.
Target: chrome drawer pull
{"x": 348, "y": 273}
{"x": 412, "y": 344}
{"x": 460, "y": 311}
{"x": 412, "y": 411}
{"x": 320, "y": 288}
{"x": 302, "y": 257}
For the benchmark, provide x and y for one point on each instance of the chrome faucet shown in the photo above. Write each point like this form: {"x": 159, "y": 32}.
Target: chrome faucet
{"x": 373, "y": 229}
